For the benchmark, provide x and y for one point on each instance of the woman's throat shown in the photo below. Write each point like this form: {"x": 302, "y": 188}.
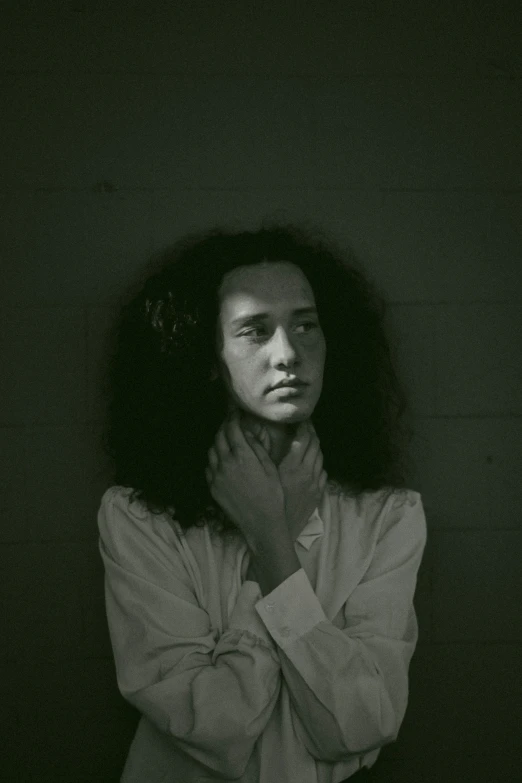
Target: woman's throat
{"x": 276, "y": 438}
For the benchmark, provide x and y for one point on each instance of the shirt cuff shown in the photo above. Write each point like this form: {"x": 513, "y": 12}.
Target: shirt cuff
{"x": 291, "y": 609}
{"x": 244, "y": 617}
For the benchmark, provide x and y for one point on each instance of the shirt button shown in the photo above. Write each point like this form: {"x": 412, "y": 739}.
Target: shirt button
{"x": 269, "y": 607}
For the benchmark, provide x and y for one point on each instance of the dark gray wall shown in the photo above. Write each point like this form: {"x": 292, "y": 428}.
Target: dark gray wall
{"x": 397, "y": 127}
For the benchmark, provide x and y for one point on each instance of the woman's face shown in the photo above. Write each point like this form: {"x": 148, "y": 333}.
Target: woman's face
{"x": 266, "y": 340}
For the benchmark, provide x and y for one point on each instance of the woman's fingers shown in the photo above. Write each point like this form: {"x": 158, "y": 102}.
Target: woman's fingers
{"x": 230, "y": 437}
{"x": 318, "y": 463}
{"x": 261, "y": 434}
{"x": 310, "y": 444}
{"x": 244, "y": 482}
{"x": 213, "y": 458}
{"x": 234, "y": 432}
{"x": 312, "y": 452}
{"x": 256, "y": 428}
{"x": 222, "y": 442}
{"x": 265, "y": 440}
{"x": 259, "y": 451}
{"x": 322, "y": 481}
{"x": 298, "y": 447}
{"x": 240, "y": 440}
{"x": 227, "y": 437}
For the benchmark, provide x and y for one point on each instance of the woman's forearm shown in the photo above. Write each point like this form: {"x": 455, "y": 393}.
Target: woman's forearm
{"x": 274, "y": 560}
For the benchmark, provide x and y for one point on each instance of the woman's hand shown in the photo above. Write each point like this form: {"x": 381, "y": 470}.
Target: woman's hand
{"x": 251, "y": 575}
{"x": 244, "y": 481}
{"x": 301, "y": 474}
{"x": 302, "y": 477}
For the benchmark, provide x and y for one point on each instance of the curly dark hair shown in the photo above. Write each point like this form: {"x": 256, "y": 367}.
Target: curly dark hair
{"x": 163, "y": 409}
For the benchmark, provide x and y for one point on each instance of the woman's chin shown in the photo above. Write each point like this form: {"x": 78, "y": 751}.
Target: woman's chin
{"x": 288, "y": 418}
{"x": 284, "y": 413}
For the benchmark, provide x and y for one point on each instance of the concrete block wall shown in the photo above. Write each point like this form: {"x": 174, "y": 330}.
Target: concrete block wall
{"x": 396, "y": 127}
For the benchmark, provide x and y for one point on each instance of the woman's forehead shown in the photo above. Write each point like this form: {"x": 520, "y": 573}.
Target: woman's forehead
{"x": 274, "y": 280}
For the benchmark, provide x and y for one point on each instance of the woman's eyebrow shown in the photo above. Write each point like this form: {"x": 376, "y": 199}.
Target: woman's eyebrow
{"x": 247, "y": 319}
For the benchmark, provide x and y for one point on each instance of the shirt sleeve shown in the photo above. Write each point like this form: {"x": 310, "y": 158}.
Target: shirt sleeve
{"x": 213, "y": 696}
{"x": 349, "y": 687}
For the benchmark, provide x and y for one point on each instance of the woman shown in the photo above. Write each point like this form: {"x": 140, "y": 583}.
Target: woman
{"x": 260, "y": 567}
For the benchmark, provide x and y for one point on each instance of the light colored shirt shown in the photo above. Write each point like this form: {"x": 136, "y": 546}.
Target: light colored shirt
{"x": 302, "y": 685}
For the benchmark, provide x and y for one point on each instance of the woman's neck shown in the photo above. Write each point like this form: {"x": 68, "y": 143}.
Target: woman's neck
{"x": 280, "y": 435}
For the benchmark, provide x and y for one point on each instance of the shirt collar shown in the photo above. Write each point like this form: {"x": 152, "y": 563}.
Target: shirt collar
{"x": 311, "y": 531}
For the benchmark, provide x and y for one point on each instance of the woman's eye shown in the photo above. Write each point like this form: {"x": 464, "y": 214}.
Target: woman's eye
{"x": 250, "y": 334}
{"x": 309, "y": 323}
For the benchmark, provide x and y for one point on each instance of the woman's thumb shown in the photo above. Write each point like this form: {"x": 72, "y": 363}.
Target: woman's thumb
{"x": 299, "y": 434}
{"x": 261, "y": 434}
{"x": 265, "y": 438}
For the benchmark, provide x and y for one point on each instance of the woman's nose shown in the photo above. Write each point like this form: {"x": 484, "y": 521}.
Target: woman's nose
{"x": 282, "y": 348}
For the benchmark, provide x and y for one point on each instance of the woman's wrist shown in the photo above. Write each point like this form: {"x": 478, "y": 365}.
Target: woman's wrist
{"x": 273, "y": 561}
{"x": 270, "y": 537}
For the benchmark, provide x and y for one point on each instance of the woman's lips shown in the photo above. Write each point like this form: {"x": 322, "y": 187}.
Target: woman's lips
{"x": 288, "y": 389}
